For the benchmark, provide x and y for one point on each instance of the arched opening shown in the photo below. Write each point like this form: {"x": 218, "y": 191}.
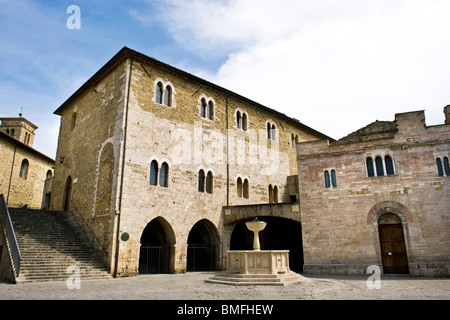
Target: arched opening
{"x": 392, "y": 244}
{"x": 279, "y": 234}
{"x": 210, "y": 111}
{"x": 203, "y": 108}
{"x": 270, "y": 193}
{"x": 245, "y": 189}
{"x": 239, "y": 187}
{"x": 202, "y": 247}
{"x": 156, "y": 249}
{"x": 24, "y": 169}
{"x": 244, "y": 121}
{"x": 159, "y": 93}
{"x": 67, "y": 194}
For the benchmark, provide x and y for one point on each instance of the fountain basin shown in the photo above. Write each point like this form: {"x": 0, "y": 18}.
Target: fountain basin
{"x": 258, "y": 262}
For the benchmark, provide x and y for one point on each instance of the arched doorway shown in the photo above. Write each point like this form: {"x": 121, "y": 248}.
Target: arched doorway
{"x": 67, "y": 193}
{"x": 279, "y": 234}
{"x": 392, "y": 244}
{"x": 157, "y": 240}
{"x": 202, "y": 247}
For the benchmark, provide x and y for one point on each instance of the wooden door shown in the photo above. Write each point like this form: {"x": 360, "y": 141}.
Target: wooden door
{"x": 393, "y": 249}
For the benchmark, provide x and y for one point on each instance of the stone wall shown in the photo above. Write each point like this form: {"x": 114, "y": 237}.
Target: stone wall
{"x": 25, "y": 190}
{"x": 108, "y": 125}
{"x": 187, "y": 142}
{"x": 89, "y": 149}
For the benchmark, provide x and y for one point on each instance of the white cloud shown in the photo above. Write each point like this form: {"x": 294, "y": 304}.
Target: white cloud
{"x": 334, "y": 65}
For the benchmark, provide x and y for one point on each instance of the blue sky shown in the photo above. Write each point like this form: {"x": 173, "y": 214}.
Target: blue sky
{"x": 336, "y": 65}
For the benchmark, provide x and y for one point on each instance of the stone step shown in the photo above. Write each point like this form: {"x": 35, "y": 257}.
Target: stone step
{"x": 286, "y": 279}
{"x": 50, "y": 242}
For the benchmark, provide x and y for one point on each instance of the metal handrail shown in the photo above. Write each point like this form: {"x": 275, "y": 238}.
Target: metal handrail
{"x": 10, "y": 236}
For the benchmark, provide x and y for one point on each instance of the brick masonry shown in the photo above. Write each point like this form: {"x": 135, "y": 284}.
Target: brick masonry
{"x": 340, "y": 225}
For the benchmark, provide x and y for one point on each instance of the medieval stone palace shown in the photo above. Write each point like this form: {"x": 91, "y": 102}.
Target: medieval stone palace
{"x": 162, "y": 169}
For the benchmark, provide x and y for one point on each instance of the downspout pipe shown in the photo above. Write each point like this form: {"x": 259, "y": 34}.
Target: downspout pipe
{"x": 11, "y": 174}
{"x": 228, "y": 152}
{"x": 127, "y": 99}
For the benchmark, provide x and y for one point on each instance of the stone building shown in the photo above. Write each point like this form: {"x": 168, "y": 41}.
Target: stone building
{"x": 379, "y": 196}
{"x": 25, "y": 175}
{"x": 160, "y": 167}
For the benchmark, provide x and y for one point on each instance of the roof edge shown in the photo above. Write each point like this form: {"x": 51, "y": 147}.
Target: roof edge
{"x": 126, "y": 52}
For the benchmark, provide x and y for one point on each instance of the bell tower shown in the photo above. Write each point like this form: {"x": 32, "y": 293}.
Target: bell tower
{"x": 19, "y": 128}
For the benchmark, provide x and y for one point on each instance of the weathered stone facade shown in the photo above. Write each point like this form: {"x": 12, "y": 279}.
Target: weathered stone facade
{"x": 384, "y": 174}
{"x": 24, "y": 170}
{"x": 133, "y": 141}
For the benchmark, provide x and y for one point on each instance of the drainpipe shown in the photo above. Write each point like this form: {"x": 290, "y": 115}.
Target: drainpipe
{"x": 11, "y": 174}
{"x": 228, "y": 156}
{"x": 127, "y": 99}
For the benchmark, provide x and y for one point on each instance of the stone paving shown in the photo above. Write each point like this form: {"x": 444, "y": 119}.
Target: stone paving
{"x": 192, "y": 286}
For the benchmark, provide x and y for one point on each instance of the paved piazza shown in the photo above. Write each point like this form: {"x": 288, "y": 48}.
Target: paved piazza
{"x": 192, "y": 286}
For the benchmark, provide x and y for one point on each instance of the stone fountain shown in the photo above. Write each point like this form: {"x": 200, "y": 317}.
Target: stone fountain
{"x": 257, "y": 267}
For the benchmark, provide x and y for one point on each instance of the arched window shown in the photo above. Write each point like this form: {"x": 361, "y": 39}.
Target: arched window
{"x": 269, "y": 131}
{"x": 168, "y": 96}
{"x": 153, "y": 173}
{"x": 379, "y": 166}
{"x": 238, "y": 120}
{"x": 446, "y": 167}
{"x": 239, "y": 187}
{"x": 49, "y": 174}
{"x": 209, "y": 182}
{"x": 203, "y": 108}
{"x": 201, "y": 181}
{"x": 159, "y": 93}
{"x": 246, "y": 192}
{"x": 270, "y": 193}
{"x": 164, "y": 175}
{"x": 389, "y": 165}
{"x": 244, "y": 121}
{"x": 74, "y": 120}
{"x": 370, "y": 170}
{"x": 292, "y": 141}
{"x": 327, "y": 179}
{"x": 210, "y": 110}
{"x": 275, "y": 194}
{"x": 274, "y": 137}
{"x": 24, "y": 169}
{"x": 333, "y": 179}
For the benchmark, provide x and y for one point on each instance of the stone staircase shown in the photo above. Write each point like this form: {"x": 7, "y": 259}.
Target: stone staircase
{"x": 49, "y": 243}
{"x": 237, "y": 279}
